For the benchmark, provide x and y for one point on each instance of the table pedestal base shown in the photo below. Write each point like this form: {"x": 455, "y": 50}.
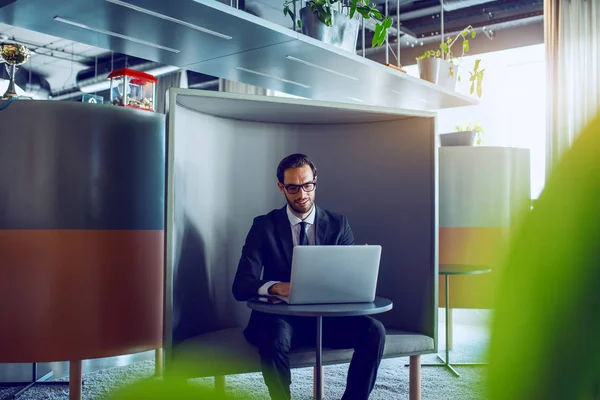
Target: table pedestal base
{"x": 446, "y": 362}
{"x": 451, "y": 366}
{"x": 319, "y": 362}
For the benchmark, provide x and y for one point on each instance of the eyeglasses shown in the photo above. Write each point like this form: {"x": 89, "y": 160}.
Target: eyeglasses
{"x": 307, "y": 187}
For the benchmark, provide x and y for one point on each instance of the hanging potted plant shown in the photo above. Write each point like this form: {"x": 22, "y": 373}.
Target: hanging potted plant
{"x": 320, "y": 19}
{"x": 441, "y": 66}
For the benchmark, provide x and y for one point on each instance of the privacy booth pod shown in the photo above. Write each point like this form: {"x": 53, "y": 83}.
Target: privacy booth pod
{"x": 376, "y": 166}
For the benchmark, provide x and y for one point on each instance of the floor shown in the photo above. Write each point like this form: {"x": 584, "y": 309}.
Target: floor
{"x": 22, "y": 372}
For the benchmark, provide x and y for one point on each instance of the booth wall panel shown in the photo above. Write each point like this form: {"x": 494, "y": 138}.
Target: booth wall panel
{"x": 381, "y": 175}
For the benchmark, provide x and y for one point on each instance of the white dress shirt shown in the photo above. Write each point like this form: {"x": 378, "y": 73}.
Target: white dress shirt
{"x": 295, "y": 227}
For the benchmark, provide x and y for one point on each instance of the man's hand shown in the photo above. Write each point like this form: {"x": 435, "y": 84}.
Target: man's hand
{"x": 280, "y": 289}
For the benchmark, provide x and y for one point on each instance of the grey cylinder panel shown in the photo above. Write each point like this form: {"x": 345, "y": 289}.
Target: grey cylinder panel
{"x": 67, "y": 165}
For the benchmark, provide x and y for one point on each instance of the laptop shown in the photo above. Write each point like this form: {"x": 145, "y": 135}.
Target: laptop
{"x": 333, "y": 274}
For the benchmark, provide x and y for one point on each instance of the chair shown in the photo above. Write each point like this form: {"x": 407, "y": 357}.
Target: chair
{"x": 206, "y": 343}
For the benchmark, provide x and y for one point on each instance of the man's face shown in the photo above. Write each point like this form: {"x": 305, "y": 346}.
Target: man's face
{"x": 302, "y": 201}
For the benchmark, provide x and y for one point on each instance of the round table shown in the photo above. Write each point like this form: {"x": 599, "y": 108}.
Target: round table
{"x": 447, "y": 270}
{"x": 379, "y": 305}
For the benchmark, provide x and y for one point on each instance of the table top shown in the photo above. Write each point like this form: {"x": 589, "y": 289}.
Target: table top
{"x": 463, "y": 269}
{"x": 380, "y": 305}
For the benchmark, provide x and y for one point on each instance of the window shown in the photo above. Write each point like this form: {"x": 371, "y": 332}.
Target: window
{"x": 512, "y": 111}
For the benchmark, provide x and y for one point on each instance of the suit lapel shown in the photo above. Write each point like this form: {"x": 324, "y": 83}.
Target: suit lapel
{"x": 284, "y": 233}
{"x": 321, "y": 226}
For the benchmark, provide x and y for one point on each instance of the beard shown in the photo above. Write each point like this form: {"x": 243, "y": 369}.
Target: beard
{"x": 301, "y": 209}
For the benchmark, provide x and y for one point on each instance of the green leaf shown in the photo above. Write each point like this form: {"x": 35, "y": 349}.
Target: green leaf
{"x": 353, "y": 8}
{"x": 381, "y": 32}
{"x": 444, "y": 47}
{"x": 299, "y": 24}
{"x": 476, "y": 65}
{"x": 464, "y": 33}
{"x": 387, "y": 22}
{"x": 376, "y": 14}
{"x": 458, "y": 77}
{"x": 438, "y": 53}
{"x": 364, "y": 11}
{"x": 381, "y": 38}
{"x": 466, "y": 46}
{"x": 473, "y": 34}
{"x": 376, "y": 35}
{"x": 472, "y": 88}
{"x": 287, "y": 11}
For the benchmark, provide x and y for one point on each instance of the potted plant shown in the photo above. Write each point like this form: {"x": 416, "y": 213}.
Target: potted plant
{"x": 441, "y": 66}
{"x": 320, "y": 19}
{"x": 465, "y": 135}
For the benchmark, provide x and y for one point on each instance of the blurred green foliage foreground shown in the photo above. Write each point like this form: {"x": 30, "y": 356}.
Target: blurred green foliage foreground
{"x": 168, "y": 389}
{"x": 546, "y": 331}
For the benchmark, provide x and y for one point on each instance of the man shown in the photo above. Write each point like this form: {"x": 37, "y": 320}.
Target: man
{"x": 269, "y": 245}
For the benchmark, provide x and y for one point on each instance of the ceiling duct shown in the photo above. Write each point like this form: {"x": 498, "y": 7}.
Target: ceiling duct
{"x": 537, "y": 21}
{"x": 212, "y": 84}
{"x": 93, "y": 83}
{"x": 98, "y": 71}
{"x": 449, "y": 5}
{"x": 95, "y": 78}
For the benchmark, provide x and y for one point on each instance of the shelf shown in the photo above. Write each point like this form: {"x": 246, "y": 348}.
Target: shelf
{"x": 214, "y": 39}
{"x": 280, "y": 110}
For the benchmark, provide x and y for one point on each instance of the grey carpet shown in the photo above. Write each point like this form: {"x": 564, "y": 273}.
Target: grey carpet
{"x": 392, "y": 381}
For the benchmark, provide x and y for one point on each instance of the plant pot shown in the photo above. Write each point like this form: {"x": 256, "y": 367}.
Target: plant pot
{"x": 436, "y": 70}
{"x": 342, "y": 34}
{"x": 466, "y": 138}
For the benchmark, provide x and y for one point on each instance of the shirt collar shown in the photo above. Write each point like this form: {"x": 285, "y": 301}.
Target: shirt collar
{"x": 295, "y": 220}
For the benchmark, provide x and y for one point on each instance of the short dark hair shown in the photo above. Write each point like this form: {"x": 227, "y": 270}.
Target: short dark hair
{"x": 294, "y": 161}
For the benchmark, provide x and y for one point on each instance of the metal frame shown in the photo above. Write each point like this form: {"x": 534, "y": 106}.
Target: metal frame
{"x": 34, "y": 381}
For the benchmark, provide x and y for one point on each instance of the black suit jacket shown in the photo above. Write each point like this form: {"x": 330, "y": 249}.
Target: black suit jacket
{"x": 269, "y": 244}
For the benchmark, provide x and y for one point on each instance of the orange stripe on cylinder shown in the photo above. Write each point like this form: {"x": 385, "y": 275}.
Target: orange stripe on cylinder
{"x": 79, "y": 294}
{"x": 479, "y": 246}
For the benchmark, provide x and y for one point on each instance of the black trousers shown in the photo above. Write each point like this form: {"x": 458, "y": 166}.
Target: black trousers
{"x": 276, "y": 335}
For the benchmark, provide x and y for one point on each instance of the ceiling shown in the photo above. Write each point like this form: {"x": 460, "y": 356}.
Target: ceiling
{"x": 421, "y": 19}
{"x": 65, "y": 54}
{"x": 56, "y": 60}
